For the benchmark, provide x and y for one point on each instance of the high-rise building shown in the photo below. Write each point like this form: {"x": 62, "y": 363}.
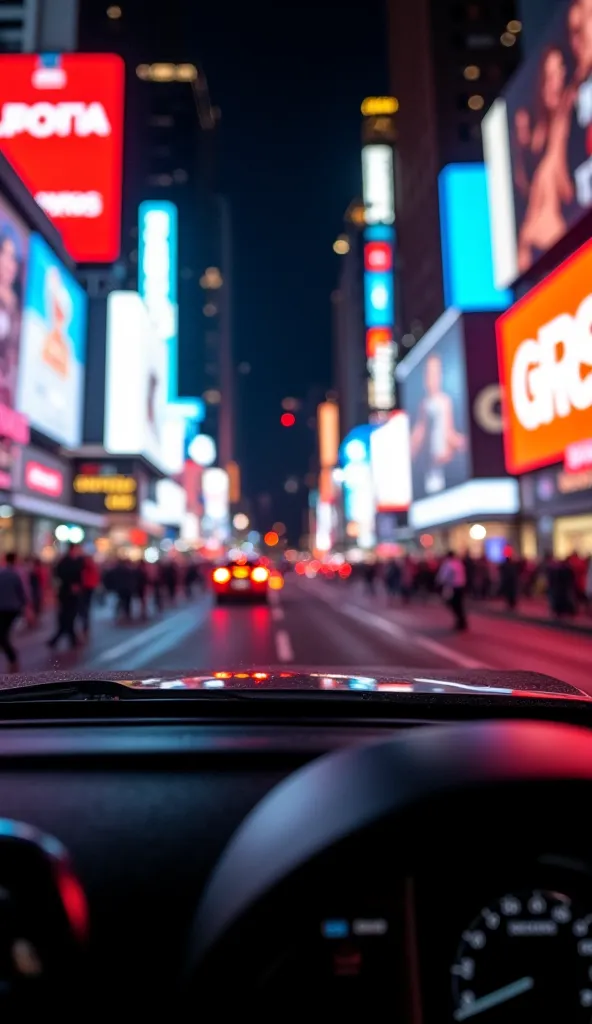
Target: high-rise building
{"x": 347, "y": 302}
{"x": 171, "y": 131}
{"x": 449, "y": 60}
{"x": 38, "y": 25}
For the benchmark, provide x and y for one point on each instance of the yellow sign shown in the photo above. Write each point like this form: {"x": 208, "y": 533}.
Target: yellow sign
{"x": 374, "y": 106}
{"x": 120, "y": 502}
{"x": 91, "y": 484}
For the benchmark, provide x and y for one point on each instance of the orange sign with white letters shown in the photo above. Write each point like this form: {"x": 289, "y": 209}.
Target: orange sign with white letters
{"x": 545, "y": 363}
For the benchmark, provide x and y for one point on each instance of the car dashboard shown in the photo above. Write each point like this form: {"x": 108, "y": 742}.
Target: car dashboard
{"x": 427, "y": 861}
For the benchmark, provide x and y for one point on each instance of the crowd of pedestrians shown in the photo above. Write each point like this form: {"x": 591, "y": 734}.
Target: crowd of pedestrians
{"x": 564, "y": 583}
{"x": 76, "y": 583}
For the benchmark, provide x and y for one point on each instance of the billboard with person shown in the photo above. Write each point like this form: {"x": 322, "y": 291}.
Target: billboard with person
{"x": 53, "y": 346}
{"x": 538, "y": 145}
{"x": 435, "y": 398}
{"x": 14, "y": 250}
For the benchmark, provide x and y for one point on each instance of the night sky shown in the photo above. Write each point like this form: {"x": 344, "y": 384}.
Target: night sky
{"x": 289, "y": 86}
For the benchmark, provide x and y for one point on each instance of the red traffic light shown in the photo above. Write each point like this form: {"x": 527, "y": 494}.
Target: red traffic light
{"x": 287, "y": 419}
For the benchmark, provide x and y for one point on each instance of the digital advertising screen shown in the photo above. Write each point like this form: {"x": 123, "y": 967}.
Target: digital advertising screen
{"x": 136, "y": 385}
{"x": 543, "y": 353}
{"x": 435, "y": 396}
{"x": 61, "y": 128}
{"x": 50, "y": 387}
{"x": 14, "y": 254}
{"x": 538, "y": 145}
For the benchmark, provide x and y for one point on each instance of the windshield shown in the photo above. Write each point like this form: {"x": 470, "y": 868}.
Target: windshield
{"x": 294, "y": 331}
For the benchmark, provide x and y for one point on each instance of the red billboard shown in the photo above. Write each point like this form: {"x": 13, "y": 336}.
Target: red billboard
{"x": 61, "y": 128}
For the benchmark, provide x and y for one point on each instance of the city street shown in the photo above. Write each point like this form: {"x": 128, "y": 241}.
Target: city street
{"x": 315, "y": 624}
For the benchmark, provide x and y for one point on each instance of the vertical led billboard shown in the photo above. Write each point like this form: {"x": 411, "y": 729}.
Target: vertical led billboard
{"x": 135, "y": 391}
{"x": 61, "y": 128}
{"x": 379, "y": 291}
{"x": 465, "y": 231}
{"x": 157, "y": 277}
{"x": 391, "y": 464}
{"x": 53, "y": 347}
{"x": 378, "y": 183}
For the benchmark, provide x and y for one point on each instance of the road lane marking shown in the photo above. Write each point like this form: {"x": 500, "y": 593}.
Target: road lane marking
{"x": 283, "y": 646}
{"x": 141, "y": 638}
{"x": 277, "y": 613}
{"x": 402, "y": 634}
{"x": 168, "y": 641}
{"x": 409, "y": 636}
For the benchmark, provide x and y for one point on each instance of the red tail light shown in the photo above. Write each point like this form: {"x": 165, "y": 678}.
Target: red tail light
{"x": 259, "y": 574}
{"x": 220, "y": 575}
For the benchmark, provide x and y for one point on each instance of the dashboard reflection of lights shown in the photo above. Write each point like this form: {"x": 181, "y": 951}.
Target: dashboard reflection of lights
{"x": 470, "y": 687}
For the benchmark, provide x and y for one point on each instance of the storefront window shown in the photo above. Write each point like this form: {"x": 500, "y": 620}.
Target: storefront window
{"x": 572, "y": 533}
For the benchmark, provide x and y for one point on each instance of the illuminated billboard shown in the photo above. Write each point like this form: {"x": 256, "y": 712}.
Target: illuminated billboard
{"x": 544, "y": 359}
{"x": 537, "y": 144}
{"x": 136, "y": 381}
{"x": 14, "y": 257}
{"x": 157, "y": 276}
{"x": 391, "y": 464}
{"x": 467, "y": 261}
{"x": 61, "y": 128}
{"x": 53, "y": 347}
{"x": 449, "y": 387}
{"x": 379, "y": 305}
{"x": 378, "y": 184}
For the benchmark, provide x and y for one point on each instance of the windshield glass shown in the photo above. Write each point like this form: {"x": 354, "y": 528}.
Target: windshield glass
{"x": 294, "y": 339}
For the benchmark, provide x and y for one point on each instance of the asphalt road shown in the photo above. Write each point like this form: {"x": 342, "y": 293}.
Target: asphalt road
{"x": 315, "y": 624}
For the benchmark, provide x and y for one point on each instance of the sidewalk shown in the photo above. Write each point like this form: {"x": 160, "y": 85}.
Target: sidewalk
{"x": 534, "y": 610}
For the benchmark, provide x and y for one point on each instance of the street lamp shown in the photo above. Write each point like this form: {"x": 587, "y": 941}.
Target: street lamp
{"x": 341, "y": 245}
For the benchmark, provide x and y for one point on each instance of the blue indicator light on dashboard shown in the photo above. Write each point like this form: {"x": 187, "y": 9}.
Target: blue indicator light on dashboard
{"x": 335, "y": 928}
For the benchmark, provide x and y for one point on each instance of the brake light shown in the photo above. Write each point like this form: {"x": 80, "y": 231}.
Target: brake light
{"x": 221, "y": 576}
{"x": 241, "y": 573}
{"x": 259, "y": 574}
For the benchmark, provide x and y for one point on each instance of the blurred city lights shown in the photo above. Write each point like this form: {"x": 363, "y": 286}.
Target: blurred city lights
{"x": 279, "y": 528}
{"x": 514, "y": 26}
{"x": 114, "y": 12}
{"x": 202, "y": 450}
{"x": 290, "y": 404}
{"x": 240, "y": 521}
{"x": 476, "y": 102}
{"x": 377, "y": 106}
{"x": 477, "y": 532}
{"x": 291, "y": 485}
{"x": 276, "y": 581}
{"x": 507, "y": 39}
{"x": 161, "y": 72}
{"x": 271, "y": 539}
{"x": 210, "y": 309}
{"x": 355, "y": 451}
{"x": 472, "y": 73}
{"x": 287, "y": 419}
{"x": 211, "y": 279}
{"x": 212, "y": 396}
{"x": 426, "y": 540}
{"x": 341, "y": 246}
{"x": 254, "y": 536}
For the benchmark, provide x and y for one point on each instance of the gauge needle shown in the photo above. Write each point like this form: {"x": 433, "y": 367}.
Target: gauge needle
{"x": 501, "y": 995}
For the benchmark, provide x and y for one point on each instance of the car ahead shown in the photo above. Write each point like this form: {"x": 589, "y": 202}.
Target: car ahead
{"x": 237, "y": 580}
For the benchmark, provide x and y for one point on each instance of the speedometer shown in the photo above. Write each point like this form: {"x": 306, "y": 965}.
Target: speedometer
{"x": 525, "y": 957}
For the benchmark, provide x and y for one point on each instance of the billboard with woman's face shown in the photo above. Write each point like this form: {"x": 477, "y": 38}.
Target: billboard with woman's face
{"x": 53, "y": 347}
{"x": 539, "y": 135}
{"x": 14, "y": 249}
